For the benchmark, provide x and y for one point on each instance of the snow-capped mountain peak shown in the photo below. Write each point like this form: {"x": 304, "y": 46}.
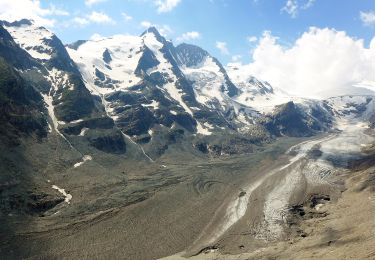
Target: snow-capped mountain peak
{"x": 152, "y": 30}
{"x": 31, "y": 37}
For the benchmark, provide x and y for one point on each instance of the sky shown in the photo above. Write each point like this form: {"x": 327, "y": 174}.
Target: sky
{"x": 294, "y": 44}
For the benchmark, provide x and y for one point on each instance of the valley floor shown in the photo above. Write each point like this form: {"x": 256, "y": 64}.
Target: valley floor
{"x": 344, "y": 230}
{"x": 308, "y": 207}
{"x": 292, "y": 199}
{"x": 132, "y": 211}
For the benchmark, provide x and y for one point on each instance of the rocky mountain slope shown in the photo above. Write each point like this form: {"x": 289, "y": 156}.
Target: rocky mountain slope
{"x": 181, "y": 87}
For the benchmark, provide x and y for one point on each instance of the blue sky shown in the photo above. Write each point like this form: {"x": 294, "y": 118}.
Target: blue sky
{"x": 216, "y": 23}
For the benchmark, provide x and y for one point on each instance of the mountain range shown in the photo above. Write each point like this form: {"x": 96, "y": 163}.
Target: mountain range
{"x": 103, "y": 124}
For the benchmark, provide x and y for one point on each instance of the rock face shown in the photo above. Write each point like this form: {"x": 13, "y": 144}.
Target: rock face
{"x": 110, "y": 142}
{"x": 55, "y": 74}
{"x": 52, "y": 73}
{"x": 288, "y": 120}
{"x": 20, "y": 104}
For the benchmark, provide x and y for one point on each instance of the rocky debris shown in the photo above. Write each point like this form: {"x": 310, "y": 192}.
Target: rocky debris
{"x": 231, "y": 145}
{"x": 368, "y": 183}
{"x": 242, "y": 193}
{"x": 318, "y": 199}
{"x": 207, "y": 250}
{"x": 30, "y": 202}
{"x": 297, "y": 214}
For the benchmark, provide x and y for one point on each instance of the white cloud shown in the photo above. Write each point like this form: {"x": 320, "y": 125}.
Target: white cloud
{"x": 163, "y": 29}
{"x": 80, "y": 21}
{"x": 309, "y": 4}
{"x": 321, "y": 62}
{"x": 164, "y": 6}
{"x": 92, "y": 2}
{"x": 236, "y": 58}
{"x": 368, "y": 18}
{"x": 93, "y": 17}
{"x": 222, "y": 46}
{"x": 100, "y": 18}
{"x": 53, "y": 10}
{"x": 188, "y": 36}
{"x": 146, "y": 24}
{"x": 30, "y": 9}
{"x": 292, "y": 7}
{"x": 126, "y": 17}
{"x": 252, "y": 39}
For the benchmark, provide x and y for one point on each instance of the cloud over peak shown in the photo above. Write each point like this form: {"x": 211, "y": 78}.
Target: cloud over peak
{"x": 320, "y": 61}
{"x": 163, "y": 29}
{"x": 19, "y": 9}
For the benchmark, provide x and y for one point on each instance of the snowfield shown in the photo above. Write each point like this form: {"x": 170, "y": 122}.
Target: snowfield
{"x": 33, "y": 39}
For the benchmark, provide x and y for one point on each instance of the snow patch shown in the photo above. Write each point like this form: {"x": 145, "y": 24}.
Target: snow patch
{"x": 83, "y": 131}
{"x": 58, "y": 79}
{"x": 203, "y": 131}
{"x": 68, "y": 197}
{"x": 84, "y": 159}
{"x": 154, "y": 104}
{"x": 76, "y": 121}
